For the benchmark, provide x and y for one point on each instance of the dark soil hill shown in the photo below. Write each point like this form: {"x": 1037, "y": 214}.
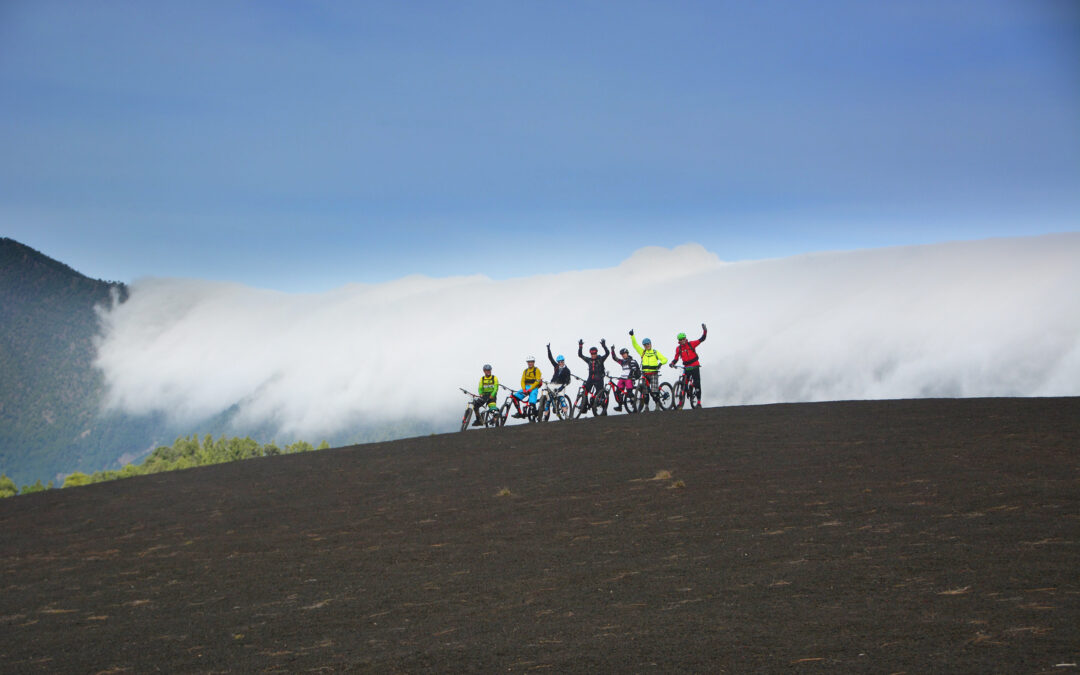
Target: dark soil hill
{"x": 893, "y": 536}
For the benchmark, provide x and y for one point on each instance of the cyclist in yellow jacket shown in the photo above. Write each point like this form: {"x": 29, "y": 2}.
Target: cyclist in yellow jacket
{"x": 651, "y": 360}
{"x": 530, "y": 383}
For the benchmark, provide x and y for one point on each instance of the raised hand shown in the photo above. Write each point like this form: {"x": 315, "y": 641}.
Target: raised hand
{"x": 703, "y": 327}
{"x": 631, "y": 331}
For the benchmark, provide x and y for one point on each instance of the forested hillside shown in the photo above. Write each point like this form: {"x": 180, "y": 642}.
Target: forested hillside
{"x": 49, "y": 391}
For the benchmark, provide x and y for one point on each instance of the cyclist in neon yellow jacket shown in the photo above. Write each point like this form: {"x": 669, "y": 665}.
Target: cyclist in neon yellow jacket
{"x": 651, "y": 360}
{"x": 488, "y": 390}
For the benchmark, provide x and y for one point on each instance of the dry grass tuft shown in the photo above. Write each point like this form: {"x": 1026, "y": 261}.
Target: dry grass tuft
{"x": 663, "y": 474}
{"x": 677, "y": 485}
{"x": 504, "y": 492}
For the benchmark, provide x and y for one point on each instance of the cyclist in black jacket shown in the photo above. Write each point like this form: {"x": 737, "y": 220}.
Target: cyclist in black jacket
{"x": 561, "y": 378}
{"x": 595, "y": 381}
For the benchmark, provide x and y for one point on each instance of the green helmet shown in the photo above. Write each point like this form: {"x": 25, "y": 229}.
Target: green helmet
{"x": 682, "y": 336}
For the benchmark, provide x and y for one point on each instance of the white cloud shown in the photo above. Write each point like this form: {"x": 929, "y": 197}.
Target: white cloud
{"x": 988, "y": 318}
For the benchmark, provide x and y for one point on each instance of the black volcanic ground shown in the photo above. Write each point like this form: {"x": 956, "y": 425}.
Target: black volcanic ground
{"x": 881, "y": 537}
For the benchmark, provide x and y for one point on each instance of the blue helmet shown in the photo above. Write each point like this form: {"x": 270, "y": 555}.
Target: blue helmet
{"x": 646, "y": 341}
{"x": 560, "y": 358}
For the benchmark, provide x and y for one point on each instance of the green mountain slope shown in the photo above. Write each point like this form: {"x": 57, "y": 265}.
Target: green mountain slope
{"x": 49, "y": 391}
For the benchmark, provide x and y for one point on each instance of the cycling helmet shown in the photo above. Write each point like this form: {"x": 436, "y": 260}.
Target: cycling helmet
{"x": 594, "y": 350}
{"x": 646, "y": 341}
{"x": 559, "y": 358}
{"x": 681, "y": 336}
{"x": 531, "y": 358}
{"x": 487, "y": 366}
{"x": 624, "y": 350}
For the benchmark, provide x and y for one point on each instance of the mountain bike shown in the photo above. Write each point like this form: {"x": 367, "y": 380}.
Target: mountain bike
{"x": 590, "y": 400}
{"x": 489, "y": 417}
{"x": 550, "y": 401}
{"x": 664, "y": 396}
{"x": 527, "y": 412}
{"x": 623, "y": 398}
{"x": 682, "y": 391}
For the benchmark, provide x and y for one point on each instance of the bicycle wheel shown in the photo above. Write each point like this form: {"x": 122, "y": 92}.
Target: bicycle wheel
{"x": 577, "y": 410}
{"x": 678, "y": 395}
{"x": 466, "y": 418}
{"x": 504, "y": 413}
{"x": 629, "y": 401}
{"x": 666, "y": 396}
{"x": 641, "y": 397}
{"x": 695, "y": 398}
{"x": 562, "y": 407}
{"x": 599, "y": 404}
{"x": 543, "y": 409}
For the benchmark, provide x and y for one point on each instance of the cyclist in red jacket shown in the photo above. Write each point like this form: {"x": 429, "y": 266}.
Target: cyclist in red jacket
{"x": 687, "y": 350}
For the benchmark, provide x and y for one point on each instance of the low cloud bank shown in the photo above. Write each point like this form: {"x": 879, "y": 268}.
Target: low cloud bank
{"x": 990, "y": 318}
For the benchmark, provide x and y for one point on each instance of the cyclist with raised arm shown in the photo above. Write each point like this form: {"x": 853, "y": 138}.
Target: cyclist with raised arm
{"x": 530, "y": 384}
{"x": 687, "y": 351}
{"x": 651, "y": 360}
{"x": 562, "y": 375}
{"x": 488, "y": 390}
{"x": 631, "y": 371}
{"x": 595, "y": 380}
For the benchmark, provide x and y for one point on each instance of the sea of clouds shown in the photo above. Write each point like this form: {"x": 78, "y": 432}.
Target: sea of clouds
{"x": 998, "y": 317}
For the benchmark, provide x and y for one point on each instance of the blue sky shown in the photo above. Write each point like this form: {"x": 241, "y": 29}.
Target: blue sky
{"x": 301, "y": 146}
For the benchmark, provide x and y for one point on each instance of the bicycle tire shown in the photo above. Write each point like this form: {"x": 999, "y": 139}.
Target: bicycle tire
{"x": 599, "y": 404}
{"x": 641, "y": 397}
{"x": 543, "y": 409}
{"x": 562, "y": 407}
{"x": 466, "y": 418}
{"x": 629, "y": 402}
{"x": 576, "y": 411}
{"x": 504, "y": 413}
{"x": 666, "y": 396}
{"x": 678, "y": 395}
{"x": 695, "y": 398}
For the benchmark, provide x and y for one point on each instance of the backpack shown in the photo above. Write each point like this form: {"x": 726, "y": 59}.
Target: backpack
{"x": 635, "y": 369}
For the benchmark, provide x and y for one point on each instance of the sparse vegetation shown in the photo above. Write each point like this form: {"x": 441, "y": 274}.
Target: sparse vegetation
{"x": 504, "y": 492}
{"x": 7, "y": 487}
{"x": 188, "y": 452}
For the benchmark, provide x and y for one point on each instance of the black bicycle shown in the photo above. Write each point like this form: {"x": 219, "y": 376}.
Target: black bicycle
{"x": 489, "y": 417}
{"x": 683, "y": 391}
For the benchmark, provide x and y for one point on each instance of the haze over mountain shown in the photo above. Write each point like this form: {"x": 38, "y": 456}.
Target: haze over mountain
{"x": 987, "y": 318}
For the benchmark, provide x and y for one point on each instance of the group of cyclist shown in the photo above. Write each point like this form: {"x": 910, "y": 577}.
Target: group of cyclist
{"x": 648, "y": 369}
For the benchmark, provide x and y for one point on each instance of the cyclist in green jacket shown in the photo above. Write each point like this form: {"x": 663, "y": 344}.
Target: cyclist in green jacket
{"x": 651, "y": 360}
{"x": 488, "y": 390}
